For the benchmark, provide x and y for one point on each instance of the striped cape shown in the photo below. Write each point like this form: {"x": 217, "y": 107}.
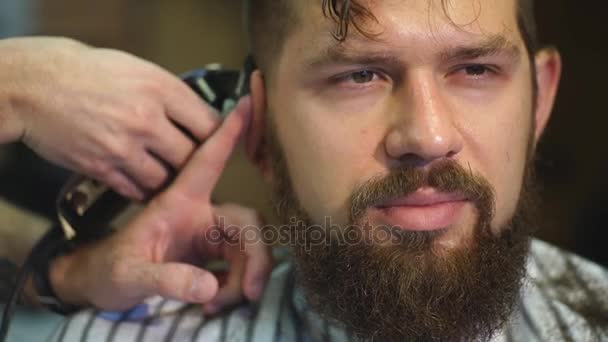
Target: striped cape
{"x": 565, "y": 298}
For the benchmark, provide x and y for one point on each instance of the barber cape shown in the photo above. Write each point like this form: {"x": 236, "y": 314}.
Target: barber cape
{"x": 565, "y": 298}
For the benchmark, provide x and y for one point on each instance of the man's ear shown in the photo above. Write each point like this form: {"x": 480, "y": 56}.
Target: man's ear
{"x": 256, "y": 140}
{"x": 548, "y": 73}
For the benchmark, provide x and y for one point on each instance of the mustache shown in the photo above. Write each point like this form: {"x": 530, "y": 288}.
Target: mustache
{"x": 446, "y": 176}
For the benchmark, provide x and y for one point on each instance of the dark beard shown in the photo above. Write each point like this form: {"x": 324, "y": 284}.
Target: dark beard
{"x": 406, "y": 291}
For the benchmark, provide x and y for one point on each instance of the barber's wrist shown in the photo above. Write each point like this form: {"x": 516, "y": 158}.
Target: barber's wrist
{"x": 23, "y": 74}
{"x": 66, "y": 282}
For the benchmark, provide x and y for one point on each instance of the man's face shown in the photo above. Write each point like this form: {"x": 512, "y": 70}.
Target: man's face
{"x": 428, "y": 88}
{"x": 426, "y": 129}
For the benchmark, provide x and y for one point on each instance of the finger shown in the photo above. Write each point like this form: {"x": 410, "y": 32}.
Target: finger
{"x": 120, "y": 183}
{"x": 243, "y": 230}
{"x": 146, "y": 171}
{"x": 178, "y": 281}
{"x": 171, "y": 145}
{"x": 202, "y": 172}
{"x": 230, "y": 293}
{"x": 256, "y": 131}
{"x": 189, "y": 111}
{"x": 258, "y": 266}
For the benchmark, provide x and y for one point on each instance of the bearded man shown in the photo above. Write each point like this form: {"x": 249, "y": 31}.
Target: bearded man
{"x": 417, "y": 121}
{"x": 399, "y": 137}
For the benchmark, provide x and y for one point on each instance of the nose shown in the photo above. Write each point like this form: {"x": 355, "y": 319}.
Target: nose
{"x": 423, "y": 129}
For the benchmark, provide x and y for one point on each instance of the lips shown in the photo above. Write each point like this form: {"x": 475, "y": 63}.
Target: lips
{"x": 423, "y": 210}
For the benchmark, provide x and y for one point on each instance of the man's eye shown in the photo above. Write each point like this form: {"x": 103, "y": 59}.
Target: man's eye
{"x": 363, "y": 76}
{"x": 477, "y": 70}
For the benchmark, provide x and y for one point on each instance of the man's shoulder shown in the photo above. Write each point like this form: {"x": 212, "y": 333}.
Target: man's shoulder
{"x": 552, "y": 267}
{"x": 565, "y": 293}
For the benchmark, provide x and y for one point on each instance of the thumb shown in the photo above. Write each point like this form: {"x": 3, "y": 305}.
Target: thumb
{"x": 178, "y": 281}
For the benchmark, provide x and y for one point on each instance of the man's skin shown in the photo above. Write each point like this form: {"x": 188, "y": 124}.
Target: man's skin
{"x": 440, "y": 88}
{"x": 427, "y": 87}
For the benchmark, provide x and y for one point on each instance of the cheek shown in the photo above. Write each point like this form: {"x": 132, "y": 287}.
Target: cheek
{"x": 508, "y": 165}
{"x": 327, "y": 154}
{"x": 497, "y": 135}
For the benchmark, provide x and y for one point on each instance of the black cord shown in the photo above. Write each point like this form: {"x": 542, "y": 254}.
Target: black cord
{"x": 24, "y": 273}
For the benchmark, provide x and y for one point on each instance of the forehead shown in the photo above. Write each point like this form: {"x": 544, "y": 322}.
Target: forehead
{"x": 407, "y": 23}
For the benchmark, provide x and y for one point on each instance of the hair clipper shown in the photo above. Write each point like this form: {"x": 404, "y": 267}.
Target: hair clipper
{"x": 86, "y": 207}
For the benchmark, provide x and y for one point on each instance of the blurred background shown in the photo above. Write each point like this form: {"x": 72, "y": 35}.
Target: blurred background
{"x": 184, "y": 34}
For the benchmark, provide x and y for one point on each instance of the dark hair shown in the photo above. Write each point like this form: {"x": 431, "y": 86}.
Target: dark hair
{"x": 271, "y": 21}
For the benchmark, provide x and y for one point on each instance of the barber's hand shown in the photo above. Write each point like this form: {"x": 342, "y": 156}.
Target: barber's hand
{"x": 100, "y": 112}
{"x": 157, "y": 252}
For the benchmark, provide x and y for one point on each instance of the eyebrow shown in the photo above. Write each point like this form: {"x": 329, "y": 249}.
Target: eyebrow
{"x": 492, "y": 46}
{"x": 343, "y": 54}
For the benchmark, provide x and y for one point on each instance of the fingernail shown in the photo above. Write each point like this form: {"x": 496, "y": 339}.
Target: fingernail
{"x": 195, "y": 291}
{"x": 204, "y": 287}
